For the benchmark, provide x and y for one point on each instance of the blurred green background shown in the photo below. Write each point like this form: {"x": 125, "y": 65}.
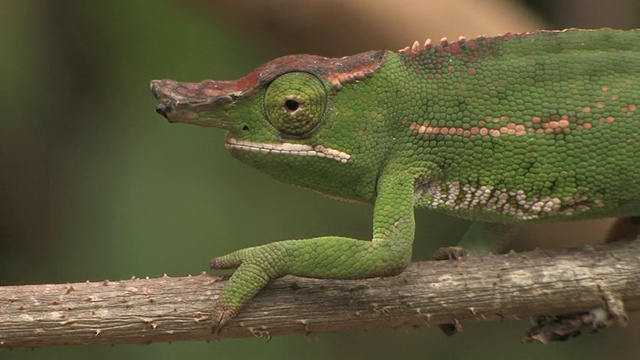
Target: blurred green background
{"x": 94, "y": 185}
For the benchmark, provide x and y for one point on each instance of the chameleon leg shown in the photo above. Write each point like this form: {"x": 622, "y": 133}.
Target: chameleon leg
{"x": 329, "y": 257}
{"x": 482, "y": 238}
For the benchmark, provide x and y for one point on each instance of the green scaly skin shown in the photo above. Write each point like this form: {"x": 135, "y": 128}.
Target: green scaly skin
{"x": 521, "y": 127}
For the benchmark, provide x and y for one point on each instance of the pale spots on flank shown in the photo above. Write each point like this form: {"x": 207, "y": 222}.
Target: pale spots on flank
{"x": 457, "y": 197}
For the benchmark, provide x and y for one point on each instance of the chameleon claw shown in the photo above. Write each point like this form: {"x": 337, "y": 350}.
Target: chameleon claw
{"x": 220, "y": 318}
{"x": 451, "y": 329}
{"x": 215, "y": 264}
{"x": 225, "y": 262}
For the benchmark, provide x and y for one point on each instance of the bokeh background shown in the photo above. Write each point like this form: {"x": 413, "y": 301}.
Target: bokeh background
{"x": 94, "y": 185}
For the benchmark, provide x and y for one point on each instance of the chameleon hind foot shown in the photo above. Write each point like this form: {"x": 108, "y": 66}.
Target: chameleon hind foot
{"x": 450, "y": 253}
{"x": 624, "y": 229}
{"x": 563, "y": 328}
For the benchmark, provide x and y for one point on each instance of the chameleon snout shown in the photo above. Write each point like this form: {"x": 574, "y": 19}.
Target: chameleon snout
{"x": 200, "y": 103}
{"x": 165, "y": 92}
{"x": 164, "y": 108}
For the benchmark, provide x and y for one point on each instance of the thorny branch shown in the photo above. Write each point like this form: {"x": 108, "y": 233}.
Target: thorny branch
{"x": 429, "y": 293}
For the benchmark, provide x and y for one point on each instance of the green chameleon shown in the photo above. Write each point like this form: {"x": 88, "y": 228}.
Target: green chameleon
{"x": 519, "y": 127}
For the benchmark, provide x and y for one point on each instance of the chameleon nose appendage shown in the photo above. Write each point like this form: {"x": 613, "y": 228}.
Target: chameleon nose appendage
{"x": 200, "y": 103}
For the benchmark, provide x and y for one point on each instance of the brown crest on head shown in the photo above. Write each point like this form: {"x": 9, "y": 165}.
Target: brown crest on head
{"x": 179, "y": 99}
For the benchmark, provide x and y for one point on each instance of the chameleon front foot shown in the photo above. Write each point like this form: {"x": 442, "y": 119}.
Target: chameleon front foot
{"x": 252, "y": 274}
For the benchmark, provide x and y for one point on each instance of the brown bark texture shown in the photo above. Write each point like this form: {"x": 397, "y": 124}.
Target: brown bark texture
{"x": 490, "y": 288}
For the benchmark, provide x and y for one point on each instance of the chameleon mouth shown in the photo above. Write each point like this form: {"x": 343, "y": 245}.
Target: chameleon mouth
{"x": 288, "y": 149}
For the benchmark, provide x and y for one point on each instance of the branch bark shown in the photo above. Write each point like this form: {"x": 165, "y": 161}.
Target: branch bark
{"x": 497, "y": 287}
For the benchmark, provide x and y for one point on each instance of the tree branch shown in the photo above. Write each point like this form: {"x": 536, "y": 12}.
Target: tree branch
{"x": 516, "y": 285}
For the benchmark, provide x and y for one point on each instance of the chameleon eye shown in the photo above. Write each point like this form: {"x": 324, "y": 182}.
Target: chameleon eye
{"x": 295, "y": 103}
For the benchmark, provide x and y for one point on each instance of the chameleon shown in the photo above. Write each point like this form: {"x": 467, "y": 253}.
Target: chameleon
{"x": 501, "y": 130}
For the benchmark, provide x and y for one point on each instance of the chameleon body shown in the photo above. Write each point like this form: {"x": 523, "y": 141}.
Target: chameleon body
{"x": 519, "y": 127}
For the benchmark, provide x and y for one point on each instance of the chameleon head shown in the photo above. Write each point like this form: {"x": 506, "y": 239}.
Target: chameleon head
{"x": 285, "y": 118}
